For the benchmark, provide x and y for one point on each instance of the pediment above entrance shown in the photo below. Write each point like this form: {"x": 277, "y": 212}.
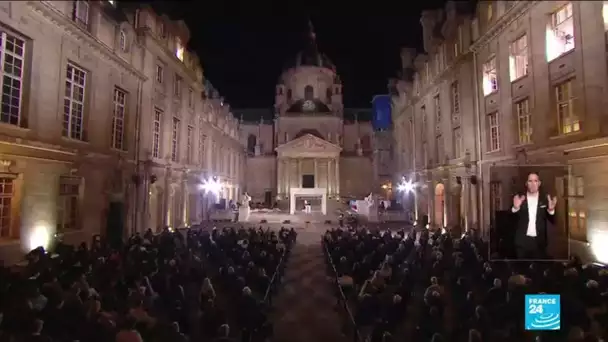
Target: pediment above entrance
{"x": 308, "y": 146}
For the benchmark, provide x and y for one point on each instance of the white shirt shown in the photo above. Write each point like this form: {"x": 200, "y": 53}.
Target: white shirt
{"x": 532, "y": 208}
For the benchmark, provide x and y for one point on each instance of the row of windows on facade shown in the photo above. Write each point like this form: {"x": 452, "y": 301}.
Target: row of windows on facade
{"x": 82, "y": 14}
{"x": 68, "y": 203}
{"x": 574, "y": 203}
{"x": 560, "y": 40}
{"x": 226, "y": 161}
{"x": 309, "y": 93}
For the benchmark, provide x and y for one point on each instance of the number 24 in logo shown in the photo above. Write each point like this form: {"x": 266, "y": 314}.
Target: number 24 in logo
{"x": 536, "y": 309}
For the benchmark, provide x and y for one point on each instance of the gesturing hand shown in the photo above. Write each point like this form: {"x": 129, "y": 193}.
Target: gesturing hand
{"x": 551, "y": 202}
{"x": 518, "y": 200}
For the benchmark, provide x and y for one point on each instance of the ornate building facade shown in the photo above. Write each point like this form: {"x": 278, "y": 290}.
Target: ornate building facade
{"x": 539, "y": 93}
{"x": 107, "y": 117}
{"x": 308, "y": 149}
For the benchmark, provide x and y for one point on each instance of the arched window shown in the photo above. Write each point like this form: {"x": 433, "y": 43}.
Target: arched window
{"x": 251, "y": 143}
{"x": 309, "y": 92}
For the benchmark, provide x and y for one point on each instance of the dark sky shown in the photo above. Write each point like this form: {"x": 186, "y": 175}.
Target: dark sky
{"x": 244, "y": 48}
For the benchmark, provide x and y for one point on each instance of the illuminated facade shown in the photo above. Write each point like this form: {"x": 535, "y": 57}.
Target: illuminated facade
{"x": 309, "y": 149}
{"x": 539, "y": 98}
{"x": 79, "y": 110}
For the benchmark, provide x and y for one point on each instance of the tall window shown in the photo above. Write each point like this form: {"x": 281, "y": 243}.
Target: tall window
{"x": 160, "y": 74}
{"x": 518, "y": 58}
{"x": 577, "y": 216}
{"x": 162, "y": 30}
{"x": 67, "y": 207}
{"x": 202, "y": 141}
{"x": 458, "y": 44}
{"x": 524, "y": 121}
{"x": 177, "y": 86}
{"x": 6, "y": 201}
{"x": 190, "y": 98}
{"x": 490, "y": 77}
{"x": 189, "y": 136}
{"x": 12, "y": 53}
{"x": 81, "y": 13}
{"x": 424, "y": 127}
{"x": 156, "y": 132}
{"x": 560, "y": 32}
{"x": 493, "y": 132}
{"x": 495, "y": 198}
{"x": 425, "y": 154}
{"x": 439, "y": 150}
{"x": 73, "y": 102}
{"x": 568, "y": 120}
{"x": 455, "y": 97}
{"x": 457, "y": 142}
{"x": 122, "y": 41}
{"x": 118, "y": 119}
{"x": 437, "y": 101}
{"x": 174, "y": 139}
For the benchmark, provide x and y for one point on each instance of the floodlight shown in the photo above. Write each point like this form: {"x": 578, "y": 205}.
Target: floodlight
{"x": 406, "y": 186}
{"x": 211, "y": 185}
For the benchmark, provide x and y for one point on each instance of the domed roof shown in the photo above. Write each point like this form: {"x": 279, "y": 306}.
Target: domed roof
{"x": 310, "y": 56}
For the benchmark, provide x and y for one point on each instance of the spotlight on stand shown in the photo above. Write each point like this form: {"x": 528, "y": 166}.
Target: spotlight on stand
{"x": 211, "y": 185}
{"x": 405, "y": 186}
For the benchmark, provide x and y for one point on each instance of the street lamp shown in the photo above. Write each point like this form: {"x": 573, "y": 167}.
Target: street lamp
{"x": 405, "y": 186}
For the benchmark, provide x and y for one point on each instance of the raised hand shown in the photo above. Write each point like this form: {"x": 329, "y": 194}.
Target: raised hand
{"x": 551, "y": 202}
{"x": 518, "y": 200}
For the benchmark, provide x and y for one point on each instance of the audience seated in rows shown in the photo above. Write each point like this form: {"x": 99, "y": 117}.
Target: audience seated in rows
{"x": 429, "y": 287}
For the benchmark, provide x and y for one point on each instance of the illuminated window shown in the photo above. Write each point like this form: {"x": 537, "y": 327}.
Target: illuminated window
{"x": 518, "y": 58}
{"x": 490, "y": 77}
{"x": 73, "y": 102}
{"x": 189, "y": 144}
{"x": 179, "y": 50}
{"x": 156, "y": 132}
{"x": 12, "y": 53}
{"x": 174, "y": 139}
{"x": 605, "y": 15}
{"x": 524, "y": 121}
{"x": 160, "y": 74}
{"x": 67, "y": 204}
{"x": 490, "y": 12}
{"x": 6, "y": 201}
{"x": 122, "y": 41}
{"x": 457, "y": 142}
{"x": 568, "y": 120}
{"x": 560, "y": 32}
{"x": 493, "y": 132}
{"x": 577, "y": 216}
{"x": 437, "y": 101}
{"x": 118, "y": 119}
{"x": 455, "y": 97}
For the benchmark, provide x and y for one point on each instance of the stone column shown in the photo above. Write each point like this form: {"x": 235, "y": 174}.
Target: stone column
{"x": 287, "y": 174}
{"x": 316, "y": 174}
{"x": 330, "y": 187}
{"x": 447, "y": 202}
{"x": 431, "y": 202}
{"x": 337, "y": 176}
{"x": 299, "y": 173}
{"x": 185, "y": 200}
{"x": 280, "y": 180}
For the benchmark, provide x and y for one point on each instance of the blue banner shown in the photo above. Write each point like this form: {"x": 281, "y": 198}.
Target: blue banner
{"x": 381, "y": 107}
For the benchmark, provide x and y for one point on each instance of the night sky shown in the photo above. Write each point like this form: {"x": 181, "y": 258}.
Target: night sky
{"x": 244, "y": 49}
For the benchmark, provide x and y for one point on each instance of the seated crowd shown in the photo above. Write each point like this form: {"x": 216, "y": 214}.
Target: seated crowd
{"x": 430, "y": 287}
{"x": 163, "y": 287}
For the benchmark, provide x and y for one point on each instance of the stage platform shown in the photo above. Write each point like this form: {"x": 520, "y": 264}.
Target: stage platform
{"x": 299, "y": 218}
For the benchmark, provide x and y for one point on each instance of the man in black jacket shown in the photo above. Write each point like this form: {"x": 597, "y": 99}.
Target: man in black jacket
{"x": 533, "y": 212}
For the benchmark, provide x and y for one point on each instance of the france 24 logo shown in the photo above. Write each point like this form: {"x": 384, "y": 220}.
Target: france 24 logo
{"x": 542, "y": 312}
